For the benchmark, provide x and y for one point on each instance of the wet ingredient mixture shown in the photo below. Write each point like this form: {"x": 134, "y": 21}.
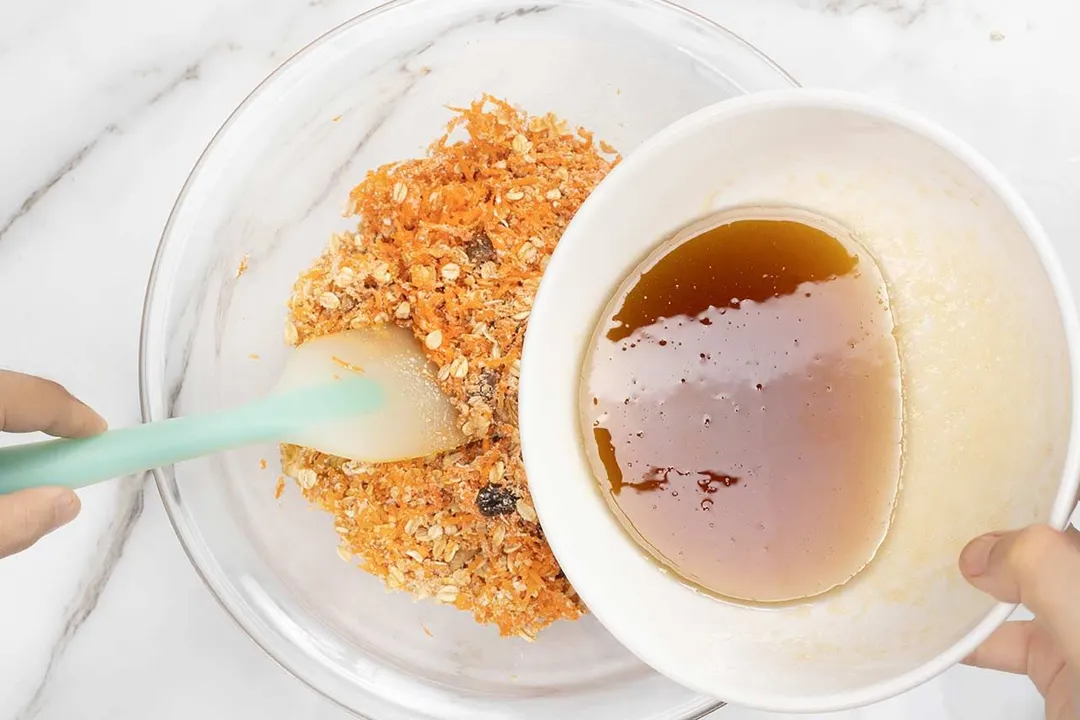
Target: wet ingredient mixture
{"x": 741, "y": 406}
{"x": 452, "y": 247}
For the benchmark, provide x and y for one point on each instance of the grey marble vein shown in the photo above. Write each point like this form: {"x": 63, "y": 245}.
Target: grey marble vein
{"x": 415, "y": 76}
{"x": 189, "y": 74}
{"x": 190, "y": 315}
{"x": 228, "y": 280}
{"x": 70, "y": 164}
{"x": 110, "y": 550}
{"x": 903, "y": 12}
{"x": 522, "y": 12}
{"x": 386, "y": 110}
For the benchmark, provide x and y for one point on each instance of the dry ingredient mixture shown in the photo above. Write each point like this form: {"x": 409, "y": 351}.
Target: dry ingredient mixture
{"x": 452, "y": 247}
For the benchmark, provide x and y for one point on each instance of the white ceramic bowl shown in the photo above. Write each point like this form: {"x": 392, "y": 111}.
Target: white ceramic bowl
{"x": 987, "y": 335}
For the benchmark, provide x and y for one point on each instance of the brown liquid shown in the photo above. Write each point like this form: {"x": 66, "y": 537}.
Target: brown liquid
{"x": 741, "y": 403}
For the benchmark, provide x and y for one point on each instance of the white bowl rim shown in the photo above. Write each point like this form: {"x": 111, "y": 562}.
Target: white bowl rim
{"x": 637, "y": 162}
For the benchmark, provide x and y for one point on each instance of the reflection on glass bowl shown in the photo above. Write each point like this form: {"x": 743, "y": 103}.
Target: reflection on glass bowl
{"x": 270, "y": 188}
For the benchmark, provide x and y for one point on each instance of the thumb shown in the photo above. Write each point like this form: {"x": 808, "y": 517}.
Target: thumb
{"x": 1037, "y": 566}
{"x": 27, "y": 515}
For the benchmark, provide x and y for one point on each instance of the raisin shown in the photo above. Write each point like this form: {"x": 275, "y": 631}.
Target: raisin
{"x": 495, "y": 500}
{"x": 479, "y": 249}
{"x": 488, "y": 380}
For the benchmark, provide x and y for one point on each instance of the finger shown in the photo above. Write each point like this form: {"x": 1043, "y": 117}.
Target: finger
{"x": 27, "y": 515}
{"x": 1005, "y": 650}
{"x": 29, "y": 403}
{"x": 1039, "y": 567}
{"x": 1022, "y": 647}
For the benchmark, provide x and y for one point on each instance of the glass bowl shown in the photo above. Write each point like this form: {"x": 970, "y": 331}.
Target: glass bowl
{"x": 268, "y": 192}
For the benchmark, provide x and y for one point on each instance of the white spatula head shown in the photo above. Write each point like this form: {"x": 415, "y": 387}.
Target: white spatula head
{"x": 415, "y": 419}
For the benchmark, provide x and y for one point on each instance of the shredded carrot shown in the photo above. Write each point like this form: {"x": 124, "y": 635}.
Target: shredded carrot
{"x": 347, "y": 365}
{"x": 452, "y": 247}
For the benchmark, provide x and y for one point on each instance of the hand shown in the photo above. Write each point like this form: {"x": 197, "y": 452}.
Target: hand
{"x": 1040, "y": 568}
{"x": 28, "y": 404}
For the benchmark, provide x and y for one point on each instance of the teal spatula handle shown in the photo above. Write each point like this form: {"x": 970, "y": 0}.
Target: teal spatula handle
{"x": 77, "y": 463}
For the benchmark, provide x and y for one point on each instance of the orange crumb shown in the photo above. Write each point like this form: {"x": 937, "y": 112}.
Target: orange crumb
{"x": 336, "y": 118}
{"x": 347, "y": 365}
{"x": 280, "y": 488}
{"x": 254, "y": 356}
{"x": 452, "y": 246}
{"x": 426, "y": 631}
{"x": 262, "y": 464}
{"x": 243, "y": 265}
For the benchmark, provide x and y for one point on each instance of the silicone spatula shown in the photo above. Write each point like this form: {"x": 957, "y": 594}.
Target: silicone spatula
{"x": 365, "y": 394}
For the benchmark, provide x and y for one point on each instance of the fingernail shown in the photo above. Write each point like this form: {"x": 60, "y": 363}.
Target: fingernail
{"x": 97, "y": 423}
{"x": 66, "y": 506}
{"x": 975, "y": 558}
{"x": 101, "y": 425}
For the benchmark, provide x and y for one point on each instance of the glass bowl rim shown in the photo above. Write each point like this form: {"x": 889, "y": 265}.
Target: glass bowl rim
{"x": 172, "y": 509}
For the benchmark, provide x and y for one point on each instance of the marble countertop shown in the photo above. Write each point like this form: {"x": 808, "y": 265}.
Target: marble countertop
{"x": 104, "y": 108}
